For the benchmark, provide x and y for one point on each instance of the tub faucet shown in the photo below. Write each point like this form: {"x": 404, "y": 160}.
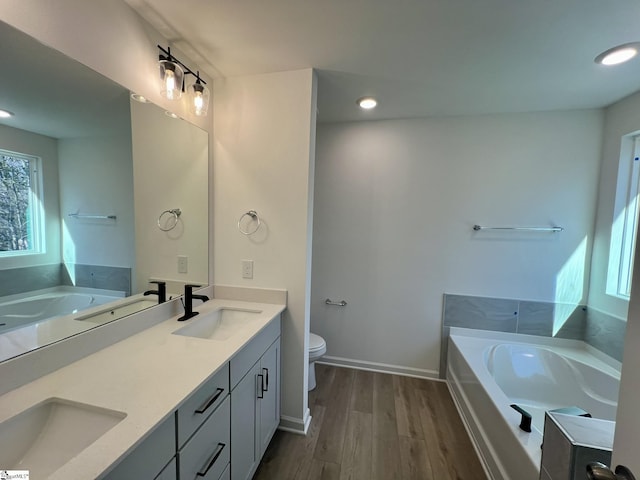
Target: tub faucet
{"x": 161, "y": 291}
{"x": 189, "y": 297}
{"x": 525, "y": 422}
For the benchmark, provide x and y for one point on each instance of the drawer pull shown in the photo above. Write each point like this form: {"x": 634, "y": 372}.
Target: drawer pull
{"x": 267, "y": 375}
{"x": 261, "y": 386}
{"x": 211, "y": 401}
{"x": 215, "y": 456}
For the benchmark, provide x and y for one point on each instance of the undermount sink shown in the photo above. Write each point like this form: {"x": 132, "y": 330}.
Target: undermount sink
{"x": 48, "y": 435}
{"x": 220, "y": 324}
{"x": 118, "y": 311}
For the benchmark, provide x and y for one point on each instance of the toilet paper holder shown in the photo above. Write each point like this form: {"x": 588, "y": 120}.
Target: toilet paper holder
{"x": 341, "y": 303}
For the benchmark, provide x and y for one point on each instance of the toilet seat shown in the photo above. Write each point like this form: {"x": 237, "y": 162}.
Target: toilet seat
{"x": 316, "y": 343}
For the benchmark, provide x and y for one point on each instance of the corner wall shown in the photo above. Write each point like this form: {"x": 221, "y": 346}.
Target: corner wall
{"x": 264, "y": 148}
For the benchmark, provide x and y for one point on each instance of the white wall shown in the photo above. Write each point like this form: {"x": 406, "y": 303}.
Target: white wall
{"x": 96, "y": 177}
{"x": 621, "y": 119}
{"x": 46, "y": 148}
{"x": 170, "y": 171}
{"x": 395, "y": 203}
{"x": 264, "y": 147}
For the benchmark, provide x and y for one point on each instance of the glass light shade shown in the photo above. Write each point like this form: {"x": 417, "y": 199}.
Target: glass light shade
{"x": 171, "y": 76}
{"x": 199, "y": 98}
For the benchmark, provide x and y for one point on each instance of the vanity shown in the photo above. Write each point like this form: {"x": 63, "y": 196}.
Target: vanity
{"x": 194, "y": 399}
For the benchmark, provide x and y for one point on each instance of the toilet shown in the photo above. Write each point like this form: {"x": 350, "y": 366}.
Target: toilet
{"x": 317, "y": 348}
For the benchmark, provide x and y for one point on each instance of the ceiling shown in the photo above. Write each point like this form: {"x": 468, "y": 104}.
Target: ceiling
{"x": 418, "y": 57}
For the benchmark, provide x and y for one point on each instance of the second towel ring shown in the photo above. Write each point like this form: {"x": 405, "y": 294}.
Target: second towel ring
{"x": 176, "y": 212}
{"x": 254, "y": 216}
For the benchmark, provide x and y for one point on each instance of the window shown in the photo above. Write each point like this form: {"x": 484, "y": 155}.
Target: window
{"x": 21, "y": 230}
{"x": 625, "y": 222}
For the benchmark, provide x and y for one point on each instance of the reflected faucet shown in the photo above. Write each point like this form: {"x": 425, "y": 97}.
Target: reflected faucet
{"x": 188, "y": 302}
{"x": 161, "y": 291}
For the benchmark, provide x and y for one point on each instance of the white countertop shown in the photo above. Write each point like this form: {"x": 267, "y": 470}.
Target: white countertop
{"x": 147, "y": 376}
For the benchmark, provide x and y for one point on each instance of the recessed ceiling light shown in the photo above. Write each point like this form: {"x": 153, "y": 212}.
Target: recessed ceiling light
{"x": 171, "y": 114}
{"x": 139, "y": 98}
{"x": 6, "y": 114}
{"x": 619, "y": 54}
{"x": 367, "y": 102}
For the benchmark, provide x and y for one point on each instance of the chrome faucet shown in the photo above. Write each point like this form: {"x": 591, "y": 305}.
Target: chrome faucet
{"x": 189, "y": 297}
{"x": 161, "y": 291}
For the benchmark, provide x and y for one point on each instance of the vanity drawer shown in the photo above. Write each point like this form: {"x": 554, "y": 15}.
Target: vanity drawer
{"x": 202, "y": 403}
{"x": 170, "y": 472}
{"x": 209, "y": 449}
{"x": 251, "y": 353}
{"x": 148, "y": 458}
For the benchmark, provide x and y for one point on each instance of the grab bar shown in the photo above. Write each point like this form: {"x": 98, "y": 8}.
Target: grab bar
{"x": 522, "y": 229}
{"x": 341, "y": 303}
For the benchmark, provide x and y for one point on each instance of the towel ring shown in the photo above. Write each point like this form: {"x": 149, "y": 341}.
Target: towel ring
{"x": 254, "y": 216}
{"x": 175, "y": 212}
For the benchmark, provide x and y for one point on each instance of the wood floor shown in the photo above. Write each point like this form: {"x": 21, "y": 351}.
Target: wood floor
{"x": 375, "y": 426}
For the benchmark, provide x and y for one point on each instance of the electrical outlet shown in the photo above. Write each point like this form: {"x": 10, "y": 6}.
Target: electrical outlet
{"x": 247, "y": 268}
{"x": 183, "y": 265}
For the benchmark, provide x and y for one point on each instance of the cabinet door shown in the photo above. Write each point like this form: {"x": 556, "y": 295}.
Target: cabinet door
{"x": 244, "y": 420}
{"x": 269, "y": 405}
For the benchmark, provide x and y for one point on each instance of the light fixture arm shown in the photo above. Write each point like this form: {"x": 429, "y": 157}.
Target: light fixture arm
{"x": 166, "y": 55}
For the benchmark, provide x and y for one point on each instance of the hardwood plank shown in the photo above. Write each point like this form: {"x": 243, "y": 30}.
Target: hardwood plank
{"x": 324, "y": 471}
{"x": 289, "y": 456}
{"x": 321, "y": 395}
{"x": 358, "y": 447}
{"x": 435, "y": 442}
{"x": 407, "y": 407}
{"x": 386, "y": 458}
{"x": 331, "y": 439}
{"x": 415, "y": 460}
{"x": 362, "y": 395}
{"x": 384, "y": 408}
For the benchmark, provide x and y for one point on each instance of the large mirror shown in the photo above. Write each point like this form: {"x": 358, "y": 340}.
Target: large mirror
{"x": 99, "y": 196}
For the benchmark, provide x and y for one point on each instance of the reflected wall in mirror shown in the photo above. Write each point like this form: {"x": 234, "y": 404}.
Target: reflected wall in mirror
{"x": 85, "y": 172}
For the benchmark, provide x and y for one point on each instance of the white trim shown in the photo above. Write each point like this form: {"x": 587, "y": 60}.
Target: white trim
{"x": 380, "y": 367}
{"x": 295, "y": 425}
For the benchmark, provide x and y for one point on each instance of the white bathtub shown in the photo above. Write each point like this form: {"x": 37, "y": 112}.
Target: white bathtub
{"x": 489, "y": 371}
{"x": 38, "y": 306}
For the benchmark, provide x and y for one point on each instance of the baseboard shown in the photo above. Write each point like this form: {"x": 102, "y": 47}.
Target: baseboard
{"x": 299, "y": 426}
{"x": 380, "y": 367}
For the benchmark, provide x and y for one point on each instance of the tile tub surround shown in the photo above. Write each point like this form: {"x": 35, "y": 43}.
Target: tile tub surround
{"x": 25, "y": 279}
{"x": 598, "y": 329}
{"x": 98, "y": 276}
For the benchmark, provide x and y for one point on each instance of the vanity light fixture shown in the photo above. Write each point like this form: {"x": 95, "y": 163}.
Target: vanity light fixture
{"x": 367, "y": 103}
{"x": 617, "y": 55}
{"x": 172, "y": 72}
{"x": 6, "y": 114}
{"x": 199, "y": 97}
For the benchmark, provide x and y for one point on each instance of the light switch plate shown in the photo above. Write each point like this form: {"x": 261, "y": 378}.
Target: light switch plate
{"x": 183, "y": 265}
{"x": 247, "y": 268}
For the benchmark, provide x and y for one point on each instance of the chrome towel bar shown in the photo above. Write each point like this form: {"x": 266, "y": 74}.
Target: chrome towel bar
{"x": 77, "y": 215}
{"x": 521, "y": 229}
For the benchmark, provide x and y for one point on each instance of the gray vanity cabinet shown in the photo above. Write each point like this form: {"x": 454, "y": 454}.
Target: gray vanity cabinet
{"x": 255, "y": 401}
{"x": 153, "y": 458}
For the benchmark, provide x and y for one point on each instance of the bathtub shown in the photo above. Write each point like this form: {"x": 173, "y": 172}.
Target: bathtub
{"x": 45, "y": 304}
{"x": 489, "y": 371}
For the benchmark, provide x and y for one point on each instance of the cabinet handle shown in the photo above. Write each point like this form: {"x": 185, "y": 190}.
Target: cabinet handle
{"x": 261, "y": 386}
{"x": 214, "y": 457}
{"x": 211, "y": 401}
{"x": 267, "y": 375}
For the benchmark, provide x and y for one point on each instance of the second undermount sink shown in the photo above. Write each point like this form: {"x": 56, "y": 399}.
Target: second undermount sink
{"x": 46, "y": 436}
{"x": 220, "y": 324}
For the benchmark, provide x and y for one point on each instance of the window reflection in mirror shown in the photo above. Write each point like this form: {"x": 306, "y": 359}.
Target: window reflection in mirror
{"x": 80, "y": 240}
